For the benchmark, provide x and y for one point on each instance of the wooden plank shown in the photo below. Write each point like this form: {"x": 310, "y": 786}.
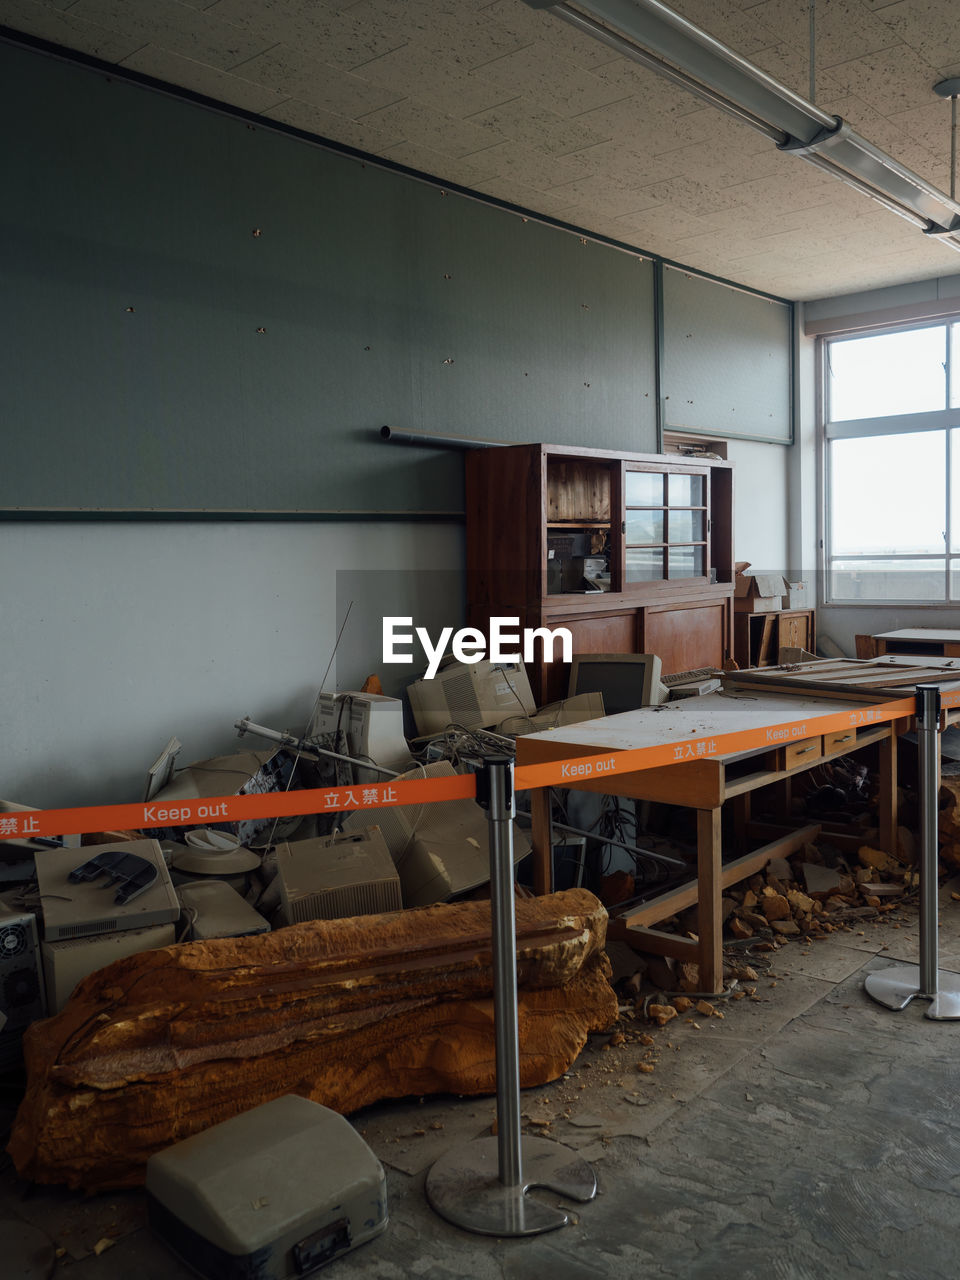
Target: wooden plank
{"x": 668, "y": 904}
{"x": 655, "y": 941}
{"x": 887, "y": 808}
{"x": 540, "y": 838}
{"x": 766, "y": 640}
{"x": 709, "y": 925}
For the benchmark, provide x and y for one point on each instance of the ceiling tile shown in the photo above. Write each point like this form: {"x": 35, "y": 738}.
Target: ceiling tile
{"x": 615, "y": 160}
{"x": 844, "y": 29}
{"x": 891, "y": 80}
{"x": 457, "y": 30}
{"x": 416, "y": 122}
{"x": 538, "y": 128}
{"x": 616, "y": 197}
{"x": 518, "y": 163}
{"x": 538, "y": 26}
{"x": 288, "y": 70}
{"x": 49, "y": 22}
{"x": 412, "y": 71}
{"x": 173, "y": 68}
{"x": 315, "y": 27}
{"x": 194, "y": 33}
{"x": 930, "y": 27}
{"x": 726, "y": 22}
{"x": 550, "y": 81}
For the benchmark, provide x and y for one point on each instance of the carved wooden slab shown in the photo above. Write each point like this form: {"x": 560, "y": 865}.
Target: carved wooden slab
{"x": 158, "y": 1046}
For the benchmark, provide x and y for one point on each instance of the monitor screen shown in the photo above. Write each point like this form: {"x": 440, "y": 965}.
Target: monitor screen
{"x": 626, "y": 680}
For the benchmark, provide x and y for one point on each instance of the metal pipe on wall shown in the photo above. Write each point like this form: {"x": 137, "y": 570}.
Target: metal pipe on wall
{"x": 426, "y": 439}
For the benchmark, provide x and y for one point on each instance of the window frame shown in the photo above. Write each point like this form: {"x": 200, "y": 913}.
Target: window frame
{"x": 945, "y": 421}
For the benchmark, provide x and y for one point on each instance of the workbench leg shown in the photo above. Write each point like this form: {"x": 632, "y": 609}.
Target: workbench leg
{"x": 741, "y": 820}
{"x": 783, "y": 799}
{"x": 887, "y": 795}
{"x": 540, "y": 838}
{"x": 709, "y": 924}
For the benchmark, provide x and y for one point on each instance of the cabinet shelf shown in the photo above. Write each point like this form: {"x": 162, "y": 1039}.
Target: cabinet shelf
{"x": 578, "y": 524}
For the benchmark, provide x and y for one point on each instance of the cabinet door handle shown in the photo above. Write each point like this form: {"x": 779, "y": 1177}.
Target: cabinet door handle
{"x": 846, "y": 737}
{"x": 803, "y": 750}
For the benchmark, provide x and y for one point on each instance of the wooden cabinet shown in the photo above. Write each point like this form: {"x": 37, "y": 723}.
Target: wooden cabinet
{"x": 633, "y": 553}
{"x": 759, "y": 637}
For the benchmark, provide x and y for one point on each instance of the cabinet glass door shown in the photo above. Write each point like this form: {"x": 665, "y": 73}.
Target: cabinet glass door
{"x": 665, "y": 525}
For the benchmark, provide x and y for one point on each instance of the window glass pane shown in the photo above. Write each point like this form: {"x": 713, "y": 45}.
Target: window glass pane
{"x": 685, "y": 562}
{"x": 685, "y": 491}
{"x": 886, "y": 373}
{"x": 955, "y": 582}
{"x": 685, "y": 526}
{"x": 644, "y": 488}
{"x": 643, "y": 564}
{"x": 887, "y": 494}
{"x": 644, "y": 526}
{"x": 888, "y": 580}
{"x": 955, "y": 366}
{"x": 955, "y": 489}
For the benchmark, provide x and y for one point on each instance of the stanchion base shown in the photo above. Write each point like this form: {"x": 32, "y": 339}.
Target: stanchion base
{"x": 464, "y": 1187}
{"x": 896, "y": 987}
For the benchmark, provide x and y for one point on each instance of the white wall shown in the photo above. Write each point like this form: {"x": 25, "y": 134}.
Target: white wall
{"x": 116, "y": 637}
{"x": 760, "y": 504}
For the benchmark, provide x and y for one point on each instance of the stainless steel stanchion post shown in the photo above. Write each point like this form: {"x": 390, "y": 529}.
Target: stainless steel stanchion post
{"x": 482, "y": 1186}
{"x": 896, "y": 987}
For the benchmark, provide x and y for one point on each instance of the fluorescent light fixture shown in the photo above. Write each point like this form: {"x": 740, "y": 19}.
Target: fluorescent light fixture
{"x": 653, "y": 35}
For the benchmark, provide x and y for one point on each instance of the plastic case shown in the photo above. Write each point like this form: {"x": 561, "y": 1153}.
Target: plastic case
{"x": 272, "y": 1194}
{"x": 350, "y": 874}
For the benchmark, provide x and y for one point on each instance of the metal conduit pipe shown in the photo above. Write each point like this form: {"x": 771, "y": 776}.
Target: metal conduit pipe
{"x": 426, "y": 439}
{"x": 618, "y": 844}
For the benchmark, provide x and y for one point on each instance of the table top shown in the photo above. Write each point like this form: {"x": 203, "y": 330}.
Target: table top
{"x": 930, "y": 634}
{"x": 713, "y": 713}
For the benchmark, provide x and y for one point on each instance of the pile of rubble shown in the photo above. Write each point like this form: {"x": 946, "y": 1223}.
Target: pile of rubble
{"x": 816, "y": 892}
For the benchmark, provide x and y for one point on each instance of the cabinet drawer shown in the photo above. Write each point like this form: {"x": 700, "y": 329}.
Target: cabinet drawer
{"x": 839, "y": 740}
{"x": 803, "y": 752}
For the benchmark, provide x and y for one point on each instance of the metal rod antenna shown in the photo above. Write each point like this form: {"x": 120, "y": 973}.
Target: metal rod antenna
{"x": 311, "y": 752}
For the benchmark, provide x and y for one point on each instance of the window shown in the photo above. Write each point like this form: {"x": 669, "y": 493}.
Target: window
{"x": 892, "y": 466}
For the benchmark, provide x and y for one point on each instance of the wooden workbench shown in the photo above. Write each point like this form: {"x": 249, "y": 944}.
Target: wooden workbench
{"x": 927, "y": 641}
{"x": 704, "y": 784}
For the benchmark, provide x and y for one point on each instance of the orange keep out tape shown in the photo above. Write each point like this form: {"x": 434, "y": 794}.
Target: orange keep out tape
{"x": 281, "y": 804}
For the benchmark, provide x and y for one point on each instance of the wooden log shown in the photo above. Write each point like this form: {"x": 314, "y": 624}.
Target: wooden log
{"x": 158, "y": 1046}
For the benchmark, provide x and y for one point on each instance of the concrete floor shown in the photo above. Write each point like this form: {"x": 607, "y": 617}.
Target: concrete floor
{"x": 807, "y": 1133}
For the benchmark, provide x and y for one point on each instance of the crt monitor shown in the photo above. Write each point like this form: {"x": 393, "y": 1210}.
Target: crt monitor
{"x": 626, "y": 680}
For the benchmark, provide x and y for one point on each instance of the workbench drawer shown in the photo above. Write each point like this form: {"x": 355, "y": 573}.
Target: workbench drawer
{"x": 839, "y": 740}
{"x": 801, "y": 752}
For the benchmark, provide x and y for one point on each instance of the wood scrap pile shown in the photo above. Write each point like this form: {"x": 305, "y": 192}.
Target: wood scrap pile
{"x": 160, "y": 1045}
{"x": 815, "y": 892}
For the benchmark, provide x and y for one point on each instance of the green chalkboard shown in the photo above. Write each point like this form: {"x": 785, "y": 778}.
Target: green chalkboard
{"x": 203, "y": 315}
{"x": 727, "y": 360}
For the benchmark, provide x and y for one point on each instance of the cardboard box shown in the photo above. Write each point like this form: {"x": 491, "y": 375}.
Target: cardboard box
{"x": 797, "y": 596}
{"x": 756, "y": 592}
